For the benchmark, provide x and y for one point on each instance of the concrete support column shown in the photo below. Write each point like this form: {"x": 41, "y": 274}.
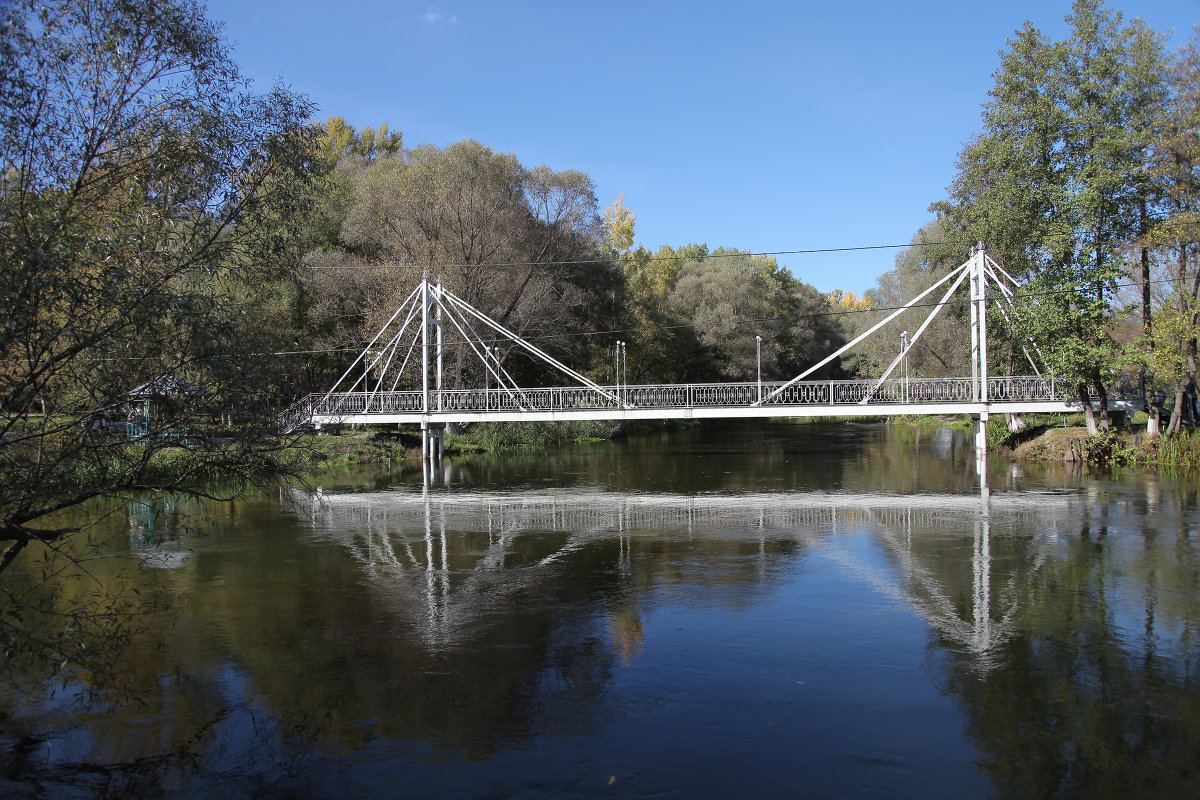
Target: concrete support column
{"x": 981, "y": 444}
{"x": 981, "y": 461}
{"x": 433, "y": 442}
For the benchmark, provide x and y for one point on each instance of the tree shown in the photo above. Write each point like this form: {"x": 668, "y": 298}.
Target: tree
{"x": 523, "y": 245}
{"x": 619, "y": 226}
{"x": 662, "y": 346}
{"x": 732, "y": 297}
{"x": 147, "y": 198}
{"x": 1055, "y": 182}
{"x": 1175, "y": 168}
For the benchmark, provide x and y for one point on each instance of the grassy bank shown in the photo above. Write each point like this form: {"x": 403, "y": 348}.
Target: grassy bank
{"x": 389, "y": 446}
{"x": 1059, "y": 438}
{"x": 492, "y": 436}
{"x": 356, "y": 448}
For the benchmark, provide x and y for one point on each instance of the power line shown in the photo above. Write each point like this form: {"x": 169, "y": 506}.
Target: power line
{"x": 682, "y": 257}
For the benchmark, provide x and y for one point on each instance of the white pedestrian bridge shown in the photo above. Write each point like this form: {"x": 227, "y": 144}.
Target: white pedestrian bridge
{"x": 842, "y": 398}
{"x": 433, "y": 321}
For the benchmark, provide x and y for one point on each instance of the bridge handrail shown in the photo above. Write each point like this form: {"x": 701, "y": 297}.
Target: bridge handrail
{"x": 1000, "y": 389}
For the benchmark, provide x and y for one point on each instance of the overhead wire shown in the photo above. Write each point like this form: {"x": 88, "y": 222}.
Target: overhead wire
{"x": 684, "y": 256}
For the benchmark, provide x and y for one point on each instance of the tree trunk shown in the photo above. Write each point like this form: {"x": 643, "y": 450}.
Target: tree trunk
{"x": 1176, "y": 423}
{"x": 1089, "y": 414}
{"x": 1154, "y": 416}
{"x": 1102, "y": 395}
{"x": 1190, "y": 386}
{"x": 1153, "y": 412}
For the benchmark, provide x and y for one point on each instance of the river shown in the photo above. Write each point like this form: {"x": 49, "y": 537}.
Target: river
{"x": 770, "y": 609}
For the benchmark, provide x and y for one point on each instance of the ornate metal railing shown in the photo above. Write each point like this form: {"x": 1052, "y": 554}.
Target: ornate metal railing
{"x": 917, "y": 391}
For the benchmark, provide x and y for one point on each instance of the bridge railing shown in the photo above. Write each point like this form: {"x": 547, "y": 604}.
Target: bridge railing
{"x": 689, "y": 395}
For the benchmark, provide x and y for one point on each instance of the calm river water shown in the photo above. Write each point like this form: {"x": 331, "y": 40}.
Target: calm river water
{"x": 767, "y": 610}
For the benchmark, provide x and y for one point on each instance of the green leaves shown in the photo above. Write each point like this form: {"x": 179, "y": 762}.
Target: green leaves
{"x": 1056, "y": 181}
{"x": 137, "y": 169}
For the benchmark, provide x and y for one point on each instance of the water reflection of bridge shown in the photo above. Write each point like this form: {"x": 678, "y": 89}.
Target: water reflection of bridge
{"x": 449, "y": 560}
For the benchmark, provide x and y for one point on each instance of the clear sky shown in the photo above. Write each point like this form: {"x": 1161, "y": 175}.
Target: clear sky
{"x": 764, "y": 126}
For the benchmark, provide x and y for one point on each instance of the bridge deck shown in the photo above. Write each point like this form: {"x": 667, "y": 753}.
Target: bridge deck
{"x": 1014, "y": 394}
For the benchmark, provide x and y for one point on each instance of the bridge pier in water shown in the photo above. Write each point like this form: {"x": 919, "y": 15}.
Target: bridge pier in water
{"x": 433, "y": 442}
{"x": 981, "y": 443}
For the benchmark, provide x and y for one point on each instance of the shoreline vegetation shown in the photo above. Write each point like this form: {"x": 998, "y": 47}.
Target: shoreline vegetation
{"x": 1046, "y": 438}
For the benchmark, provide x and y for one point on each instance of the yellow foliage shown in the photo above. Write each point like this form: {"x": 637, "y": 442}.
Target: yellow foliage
{"x": 848, "y": 301}
{"x": 619, "y": 223}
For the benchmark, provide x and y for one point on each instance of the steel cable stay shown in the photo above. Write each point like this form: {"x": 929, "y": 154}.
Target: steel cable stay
{"x": 307, "y": 406}
{"x": 514, "y": 391}
{"x": 412, "y": 348}
{"x": 909, "y": 343}
{"x": 540, "y": 354}
{"x": 394, "y": 344}
{"x": 862, "y": 336}
{"x": 1008, "y": 296}
{"x": 498, "y": 371}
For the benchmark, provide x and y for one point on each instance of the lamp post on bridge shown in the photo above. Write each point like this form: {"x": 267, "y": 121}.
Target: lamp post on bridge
{"x": 621, "y": 367}
{"x": 495, "y": 353}
{"x": 758, "y": 360}
{"x": 904, "y": 352}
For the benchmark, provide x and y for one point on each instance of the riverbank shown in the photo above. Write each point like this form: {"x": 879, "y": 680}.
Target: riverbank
{"x": 381, "y": 447}
{"x": 1065, "y": 439}
{"x": 1046, "y": 438}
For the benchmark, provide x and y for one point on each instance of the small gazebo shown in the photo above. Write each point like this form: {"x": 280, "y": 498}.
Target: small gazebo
{"x": 156, "y": 398}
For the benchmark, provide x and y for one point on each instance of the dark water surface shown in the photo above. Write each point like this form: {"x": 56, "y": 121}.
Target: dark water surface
{"x": 769, "y": 610}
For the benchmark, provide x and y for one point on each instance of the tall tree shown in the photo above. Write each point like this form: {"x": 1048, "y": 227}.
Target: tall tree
{"x": 1175, "y": 167}
{"x": 619, "y": 226}
{"x": 1054, "y": 182}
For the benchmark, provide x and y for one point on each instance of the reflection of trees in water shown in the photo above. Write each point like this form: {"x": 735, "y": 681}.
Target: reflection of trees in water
{"x": 462, "y": 623}
{"x": 1096, "y": 695}
{"x": 506, "y": 615}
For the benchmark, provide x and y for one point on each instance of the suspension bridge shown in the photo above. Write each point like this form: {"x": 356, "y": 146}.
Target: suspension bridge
{"x": 414, "y": 340}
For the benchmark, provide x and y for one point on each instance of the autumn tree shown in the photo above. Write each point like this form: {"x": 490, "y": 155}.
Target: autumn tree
{"x": 620, "y": 224}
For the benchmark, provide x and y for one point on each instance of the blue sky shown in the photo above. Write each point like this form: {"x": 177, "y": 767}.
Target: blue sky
{"x": 764, "y": 126}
